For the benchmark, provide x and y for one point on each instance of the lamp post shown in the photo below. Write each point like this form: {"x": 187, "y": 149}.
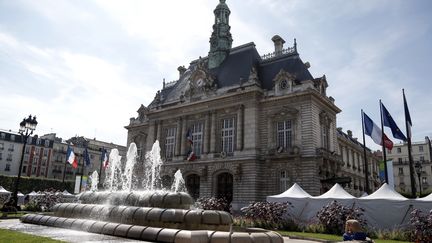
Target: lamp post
{"x": 418, "y": 168}
{"x": 27, "y": 126}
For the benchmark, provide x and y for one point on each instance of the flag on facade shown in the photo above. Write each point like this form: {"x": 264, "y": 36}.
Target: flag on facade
{"x": 389, "y": 122}
{"x": 71, "y": 158}
{"x": 104, "y": 158}
{"x": 407, "y": 116}
{"x": 191, "y": 156}
{"x": 373, "y": 131}
{"x": 86, "y": 157}
{"x": 189, "y": 137}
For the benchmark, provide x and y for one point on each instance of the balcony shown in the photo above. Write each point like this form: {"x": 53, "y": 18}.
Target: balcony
{"x": 330, "y": 155}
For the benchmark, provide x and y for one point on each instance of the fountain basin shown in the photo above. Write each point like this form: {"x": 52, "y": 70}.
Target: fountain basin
{"x": 162, "y": 199}
{"x": 157, "y": 234}
{"x": 148, "y": 216}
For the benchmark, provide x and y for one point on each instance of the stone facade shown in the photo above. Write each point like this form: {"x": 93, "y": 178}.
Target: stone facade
{"x": 246, "y": 128}
{"x": 421, "y": 154}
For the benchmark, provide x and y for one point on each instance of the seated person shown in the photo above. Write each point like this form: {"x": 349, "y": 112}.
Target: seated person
{"x": 353, "y": 231}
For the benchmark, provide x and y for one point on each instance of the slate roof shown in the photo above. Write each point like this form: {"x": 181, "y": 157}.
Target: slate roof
{"x": 236, "y": 68}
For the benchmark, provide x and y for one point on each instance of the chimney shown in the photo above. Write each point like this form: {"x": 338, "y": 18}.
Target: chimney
{"x": 278, "y": 44}
{"x": 349, "y": 133}
{"x": 181, "y": 70}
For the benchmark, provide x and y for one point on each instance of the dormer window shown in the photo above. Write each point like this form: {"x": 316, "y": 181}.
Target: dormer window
{"x": 283, "y": 84}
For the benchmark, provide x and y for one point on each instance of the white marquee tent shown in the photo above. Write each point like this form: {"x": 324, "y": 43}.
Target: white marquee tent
{"x": 384, "y": 209}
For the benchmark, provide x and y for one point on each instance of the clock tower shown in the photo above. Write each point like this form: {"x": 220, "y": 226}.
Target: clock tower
{"x": 220, "y": 40}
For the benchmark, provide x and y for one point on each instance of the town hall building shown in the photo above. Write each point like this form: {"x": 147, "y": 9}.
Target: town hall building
{"x": 243, "y": 126}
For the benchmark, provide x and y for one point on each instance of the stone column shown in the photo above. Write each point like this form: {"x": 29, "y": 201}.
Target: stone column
{"x": 206, "y": 139}
{"x": 213, "y": 133}
{"x": 240, "y": 123}
{"x": 182, "y": 136}
{"x": 179, "y": 137}
{"x": 270, "y": 135}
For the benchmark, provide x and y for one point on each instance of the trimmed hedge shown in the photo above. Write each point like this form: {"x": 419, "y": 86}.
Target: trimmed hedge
{"x": 29, "y": 184}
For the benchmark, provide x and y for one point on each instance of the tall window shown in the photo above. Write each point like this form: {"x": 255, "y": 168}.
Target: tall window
{"x": 420, "y": 148}
{"x": 197, "y": 137}
{"x": 325, "y": 136}
{"x": 284, "y": 181}
{"x": 284, "y": 134}
{"x": 228, "y": 135}
{"x": 1, "y": 146}
{"x": 170, "y": 142}
{"x": 399, "y": 150}
{"x": 7, "y": 168}
{"x": 400, "y": 171}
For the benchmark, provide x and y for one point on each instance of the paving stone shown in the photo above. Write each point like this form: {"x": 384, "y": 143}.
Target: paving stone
{"x": 167, "y": 235}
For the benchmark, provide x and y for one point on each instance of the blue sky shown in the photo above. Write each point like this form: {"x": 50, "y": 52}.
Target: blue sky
{"x": 85, "y": 67}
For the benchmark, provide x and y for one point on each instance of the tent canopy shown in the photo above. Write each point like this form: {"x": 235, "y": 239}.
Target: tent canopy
{"x": 295, "y": 191}
{"x": 336, "y": 192}
{"x": 427, "y": 198}
{"x": 385, "y": 192}
{"x": 4, "y": 191}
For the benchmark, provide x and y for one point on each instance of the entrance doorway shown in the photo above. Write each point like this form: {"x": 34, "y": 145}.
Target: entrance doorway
{"x": 193, "y": 185}
{"x": 225, "y": 186}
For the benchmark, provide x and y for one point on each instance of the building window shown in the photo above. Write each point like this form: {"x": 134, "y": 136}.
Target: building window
{"x": 1, "y": 146}
{"x": 228, "y": 135}
{"x": 44, "y": 161}
{"x": 3, "y": 135}
{"x": 325, "y": 136}
{"x": 35, "y": 160}
{"x": 12, "y": 137}
{"x": 29, "y": 140}
{"x": 170, "y": 142}
{"x": 38, "y": 141}
{"x": 47, "y": 143}
{"x": 11, "y": 147}
{"x": 24, "y": 169}
{"x": 420, "y": 148}
{"x": 284, "y": 134}
{"x": 37, "y": 151}
{"x": 1, "y": 155}
{"x": 421, "y": 158}
{"x": 34, "y": 170}
{"x": 45, "y": 152}
{"x": 424, "y": 180}
{"x": 400, "y": 171}
{"x": 9, "y": 157}
{"x": 400, "y": 161}
{"x": 197, "y": 137}
{"x": 7, "y": 168}
{"x": 284, "y": 181}
{"x": 27, "y": 150}
{"x": 399, "y": 150}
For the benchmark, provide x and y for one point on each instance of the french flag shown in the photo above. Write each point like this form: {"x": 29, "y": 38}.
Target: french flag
{"x": 191, "y": 156}
{"x": 105, "y": 160}
{"x": 372, "y": 130}
{"x": 71, "y": 158}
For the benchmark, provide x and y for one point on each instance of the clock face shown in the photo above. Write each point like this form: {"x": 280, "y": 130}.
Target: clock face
{"x": 283, "y": 84}
{"x": 200, "y": 82}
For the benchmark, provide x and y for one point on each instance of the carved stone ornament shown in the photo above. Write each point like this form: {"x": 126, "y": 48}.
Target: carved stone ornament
{"x": 286, "y": 111}
{"x": 325, "y": 118}
{"x": 201, "y": 80}
{"x": 284, "y": 77}
{"x": 142, "y": 113}
{"x": 253, "y": 76}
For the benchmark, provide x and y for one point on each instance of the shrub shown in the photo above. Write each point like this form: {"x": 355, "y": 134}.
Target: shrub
{"x": 212, "y": 203}
{"x": 267, "y": 214}
{"x": 334, "y": 215}
{"x": 421, "y": 226}
{"x": 28, "y": 184}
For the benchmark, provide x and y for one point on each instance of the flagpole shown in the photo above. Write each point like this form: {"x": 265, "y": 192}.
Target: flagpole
{"x": 82, "y": 170}
{"x": 411, "y": 164}
{"x": 383, "y": 147}
{"x": 366, "y": 168}
{"x": 100, "y": 169}
{"x": 64, "y": 169}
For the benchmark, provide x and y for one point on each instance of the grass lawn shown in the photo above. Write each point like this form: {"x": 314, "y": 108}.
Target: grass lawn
{"x": 15, "y": 236}
{"x": 12, "y": 215}
{"x": 329, "y": 237}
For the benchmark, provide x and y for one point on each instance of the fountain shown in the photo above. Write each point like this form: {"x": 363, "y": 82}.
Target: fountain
{"x": 94, "y": 180}
{"x": 151, "y": 214}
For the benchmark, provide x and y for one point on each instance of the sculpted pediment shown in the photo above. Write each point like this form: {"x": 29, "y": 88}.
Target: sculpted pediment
{"x": 200, "y": 81}
{"x": 286, "y": 111}
{"x": 284, "y": 81}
